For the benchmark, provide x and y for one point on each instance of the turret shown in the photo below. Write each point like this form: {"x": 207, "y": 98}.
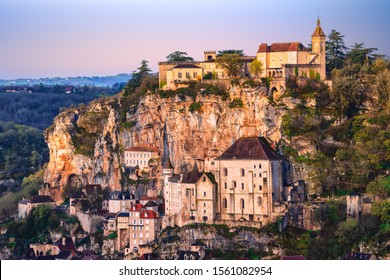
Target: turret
{"x": 318, "y": 40}
{"x": 209, "y": 55}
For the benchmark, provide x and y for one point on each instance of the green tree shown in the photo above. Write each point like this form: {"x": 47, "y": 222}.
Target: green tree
{"x": 256, "y": 68}
{"x": 179, "y": 56}
{"x": 239, "y": 52}
{"x": 348, "y": 92}
{"x": 382, "y": 89}
{"x": 360, "y": 55}
{"x": 335, "y": 50}
{"x": 232, "y": 63}
{"x": 382, "y": 210}
{"x": 380, "y": 187}
{"x": 348, "y": 234}
{"x": 137, "y": 77}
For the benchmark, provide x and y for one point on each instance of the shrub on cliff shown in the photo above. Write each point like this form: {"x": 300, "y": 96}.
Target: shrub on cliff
{"x": 236, "y": 103}
{"x": 196, "y": 107}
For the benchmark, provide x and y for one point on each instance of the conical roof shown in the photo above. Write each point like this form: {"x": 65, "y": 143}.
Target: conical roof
{"x": 318, "y": 31}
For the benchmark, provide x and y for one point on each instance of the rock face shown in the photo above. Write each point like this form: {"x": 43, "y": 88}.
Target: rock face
{"x": 186, "y": 137}
{"x": 214, "y": 238}
{"x": 67, "y": 166}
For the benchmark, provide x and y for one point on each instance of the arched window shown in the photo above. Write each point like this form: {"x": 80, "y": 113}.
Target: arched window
{"x": 224, "y": 203}
{"x": 242, "y": 172}
{"x": 242, "y": 203}
{"x": 234, "y": 184}
{"x": 259, "y": 165}
{"x": 225, "y": 185}
{"x": 259, "y": 201}
{"x": 225, "y": 172}
{"x": 242, "y": 186}
{"x": 260, "y": 187}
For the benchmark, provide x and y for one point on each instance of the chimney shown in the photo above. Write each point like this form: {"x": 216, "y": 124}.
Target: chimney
{"x": 63, "y": 241}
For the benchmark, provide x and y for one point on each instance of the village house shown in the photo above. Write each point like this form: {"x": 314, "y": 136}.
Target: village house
{"x": 140, "y": 157}
{"x": 279, "y": 60}
{"x": 120, "y": 201}
{"x": 139, "y": 226}
{"x": 26, "y": 205}
{"x": 189, "y": 198}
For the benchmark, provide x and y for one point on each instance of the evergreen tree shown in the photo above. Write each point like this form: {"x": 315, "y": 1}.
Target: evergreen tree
{"x": 335, "y": 50}
{"x": 137, "y": 78}
{"x": 239, "y": 52}
{"x": 360, "y": 55}
{"x": 179, "y": 56}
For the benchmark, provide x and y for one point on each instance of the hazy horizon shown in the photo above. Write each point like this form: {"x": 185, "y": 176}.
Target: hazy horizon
{"x": 45, "y": 39}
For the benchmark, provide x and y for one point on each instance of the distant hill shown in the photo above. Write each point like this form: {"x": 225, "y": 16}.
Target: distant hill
{"x": 37, "y": 109}
{"x": 104, "y": 81}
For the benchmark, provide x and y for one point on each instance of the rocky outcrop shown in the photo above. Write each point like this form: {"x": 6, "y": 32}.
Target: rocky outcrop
{"x": 214, "y": 238}
{"x": 71, "y": 136}
{"x": 86, "y": 148}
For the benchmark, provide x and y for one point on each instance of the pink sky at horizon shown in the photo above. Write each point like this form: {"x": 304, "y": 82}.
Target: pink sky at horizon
{"x": 41, "y": 38}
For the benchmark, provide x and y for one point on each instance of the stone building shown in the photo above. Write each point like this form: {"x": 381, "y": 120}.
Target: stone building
{"x": 140, "y": 156}
{"x": 120, "y": 201}
{"x": 293, "y": 58}
{"x": 280, "y": 60}
{"x": 250, "y": 183}
{"x": 175, "y": 74}
{"x": 189, "y": 197}
{"x": 26, "y": 205}
{"x": 136, "y": 227}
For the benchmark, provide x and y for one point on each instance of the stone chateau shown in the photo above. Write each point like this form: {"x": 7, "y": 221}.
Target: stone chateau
{"x": 279, "y": 60}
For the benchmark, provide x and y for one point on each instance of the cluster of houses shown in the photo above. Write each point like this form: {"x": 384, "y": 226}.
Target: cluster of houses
{"x": 241, "y": 187}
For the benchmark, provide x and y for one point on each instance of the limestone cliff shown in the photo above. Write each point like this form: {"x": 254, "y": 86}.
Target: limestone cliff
{"x": 86, "y": 143}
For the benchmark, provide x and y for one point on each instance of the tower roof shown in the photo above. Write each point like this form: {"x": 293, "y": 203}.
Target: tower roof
{"x": 318, "y": 31}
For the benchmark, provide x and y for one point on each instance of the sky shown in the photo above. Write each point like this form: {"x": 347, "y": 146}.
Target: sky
{"x": 62, "y": 38}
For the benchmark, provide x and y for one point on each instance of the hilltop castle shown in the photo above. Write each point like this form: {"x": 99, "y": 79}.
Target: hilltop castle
{"x": 279, "y": 60}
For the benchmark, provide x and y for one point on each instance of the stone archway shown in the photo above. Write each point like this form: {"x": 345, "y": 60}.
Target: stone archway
{"x": 272, "y": 92}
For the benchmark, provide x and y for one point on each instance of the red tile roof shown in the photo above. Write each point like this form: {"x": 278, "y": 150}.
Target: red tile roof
{"x": 282, "y": 47}
{"x": 143, "y": 148}
{"x": 136, "y": 207}
{"x": 148, "y": 214}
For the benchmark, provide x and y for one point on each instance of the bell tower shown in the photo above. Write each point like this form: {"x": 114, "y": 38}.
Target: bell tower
{"x": 318, "y": 40}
